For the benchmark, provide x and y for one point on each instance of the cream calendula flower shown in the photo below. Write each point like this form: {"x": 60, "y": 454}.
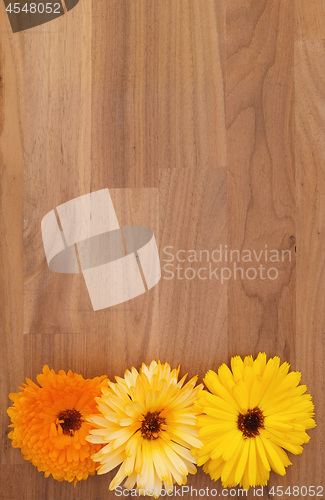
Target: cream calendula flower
{"x": 254, "y": 412}
{"x": 147, "y": 423}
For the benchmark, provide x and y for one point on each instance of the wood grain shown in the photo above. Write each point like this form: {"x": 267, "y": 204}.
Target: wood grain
{"x": 310, "y": 163}
{"x": 56, "y": 112}
{"x": 261, "y": 175}
{"x": 153, "y": 86}
{"x": 205, "y": 119}
{"x": 193, "y": 311}
{"x": 310, "y": 20}
{"x": 11, "y": 241}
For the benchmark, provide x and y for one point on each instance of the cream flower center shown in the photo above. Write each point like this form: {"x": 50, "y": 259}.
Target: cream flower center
{"x": 151, "y": 425}
{"x": 251, "y": 422}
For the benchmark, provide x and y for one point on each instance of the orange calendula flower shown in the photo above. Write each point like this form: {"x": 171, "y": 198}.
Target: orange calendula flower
{"x": 49, "y": 423}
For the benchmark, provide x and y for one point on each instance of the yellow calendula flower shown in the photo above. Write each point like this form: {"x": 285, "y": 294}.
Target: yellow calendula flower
{"x": 254, "y": 412}
{"x": 49, "y": 423}
{"x": 147, "y": 423}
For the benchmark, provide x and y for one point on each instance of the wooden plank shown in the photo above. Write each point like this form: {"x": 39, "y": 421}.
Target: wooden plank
{"x": 158, "y": 97}
{"x": 192, "y": 299}
{"x": 261, "y": 178}
{"x": 11, "y": 242}
{"x": 192, "y": 303}
{"x": 57, "y": 154}
{"x": 310, "y": 19}
{"x": 310, "y": 169}
{"x": 124, "y": 110}
{"x": 95, "y": 487}
{"x": 191, "y": 82}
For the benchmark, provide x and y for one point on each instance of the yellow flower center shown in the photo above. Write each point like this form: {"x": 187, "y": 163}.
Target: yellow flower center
{"x": 250, "y": 422}
{"x": 70, "y": 421}
{"x": 151, "y": 425}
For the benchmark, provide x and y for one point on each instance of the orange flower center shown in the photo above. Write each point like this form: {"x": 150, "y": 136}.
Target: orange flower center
{"x": 151, "y": 425}
{"x": 250, "y": 422}
{"x": 70, "y": 421}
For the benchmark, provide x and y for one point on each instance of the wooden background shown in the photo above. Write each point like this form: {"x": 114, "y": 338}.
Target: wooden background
{"x": 206, "y": 119}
